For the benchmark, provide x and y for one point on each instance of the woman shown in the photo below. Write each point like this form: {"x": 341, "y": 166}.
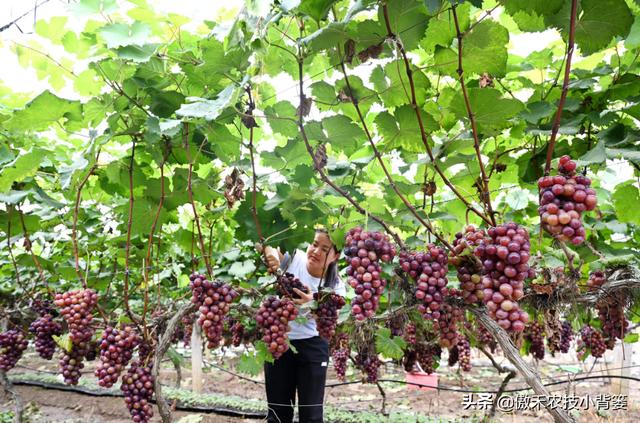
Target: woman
{"x": 304, "y": 371}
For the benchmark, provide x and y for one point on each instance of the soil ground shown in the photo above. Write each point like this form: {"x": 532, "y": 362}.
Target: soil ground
{"x": 57, "y": 406}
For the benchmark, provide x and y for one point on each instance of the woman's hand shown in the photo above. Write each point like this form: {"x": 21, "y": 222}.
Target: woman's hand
{"x": 304, "y": 298}
{"x": 272, "y": 257}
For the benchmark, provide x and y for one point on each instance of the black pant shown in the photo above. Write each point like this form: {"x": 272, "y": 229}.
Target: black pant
{"x": 305, "y": 372}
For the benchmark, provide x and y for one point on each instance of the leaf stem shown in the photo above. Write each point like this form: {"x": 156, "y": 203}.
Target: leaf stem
{"x": 191, "y": 200}
{"x": 74, "y": 238}
{"x": 426, "y": 223}
{"x": 318, "y": 167}
{"x": 565, "y": 87}
{"x": 254, "y": 210}
{"x": 485, "y": 196}
{"x": 414, "y": 105}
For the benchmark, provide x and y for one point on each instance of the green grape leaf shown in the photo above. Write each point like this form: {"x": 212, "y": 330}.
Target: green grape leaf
{"x": 317, "y": 9}
{"x": 120, "y": 35}
{"x": 63, "y": 341}
{"x": 91, "y": 7}
{"x": 485, "y": 49}
{"x": 209, "y": 109}
{"x": 625, "y": 200}
{"x": 250, "y": 363}
{"x": 42, "y": 111}
{"x": 23, "y": 167}
{"x": 388, "y": 346}
{"x": 139, "y": 54}
{"x": 489, "y": 108}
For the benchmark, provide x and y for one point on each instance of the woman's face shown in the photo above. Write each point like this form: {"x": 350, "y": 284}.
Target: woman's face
{"x": 320, "y": 253}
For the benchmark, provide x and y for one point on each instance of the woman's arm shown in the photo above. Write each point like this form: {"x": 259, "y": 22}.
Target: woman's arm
{"x": 273, "y": 257}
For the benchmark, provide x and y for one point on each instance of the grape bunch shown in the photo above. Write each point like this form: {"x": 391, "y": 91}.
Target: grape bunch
{"x": 213, "y": 300}
{"x": 566, "y": 337}
{"x": 340, "y": 355}
{"x": 116, "y": 349}
{"x": 596, "y": 280}
{"x": 505, "y": 257}
{"x": 535, "y": 334}
{"x": 592, "y": 339}
{"x": 44, "y": 328}
{"x": 614, "y": 323}
{"x": 138, "y": 387}
{"x": 43, "y": 307}
{"x": 395, "y": 325}
{"x": 554, "y": 335}
{"x": 287, "y": 282}
{"x": 454, "y": 356}
{"x": 485, "y": 338}
{"x": 563, "y": 199}
{"x": 410, "y": 333}
{"x": 469, "y": 267}
{"x": 464, "y": 353}
{"x": 447, "y": 325}
{"x": 327, "y": 313}
{"x": 273, "y": 318}
{"x": 429, "y": 270}
{"x": 72, "y": 362}
{"x": 424, "y": 353}
{"x": 76, "y": 307}
{"x": 369, "y": 363}
{"x": 237, "y": 334}
{"x": 12, "y": 344}
{"x": 364, "y": 251}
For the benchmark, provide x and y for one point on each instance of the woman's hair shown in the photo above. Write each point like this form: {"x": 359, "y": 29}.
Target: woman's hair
{"x": 331, "y": 276}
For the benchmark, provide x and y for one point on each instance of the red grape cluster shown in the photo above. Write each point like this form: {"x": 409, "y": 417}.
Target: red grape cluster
{"x": 614, "y": 323}
{"x": 72, "y": 362}
{"x": 426, "y": 354}
{"x": 464, "y": 353}
{"x": 596, "y": 280}
{"x": 287, "y": 282}
{"x": 566, "y": 337}
{"x": 410, "y": 333}
{"x": 213, "y": 300}
{"x": 447, "y": 325}
{"x": 326, "y": 314}
{"x": 340, "y": 355}
{"x": 138, "y": 388}
{"x": 116, "y": 349}
{"x": 563, "y": 199}
{"x": 237, "y": 334}
{"x": 44, "y": 328}
{"x": 364, "y": 251}
{"x": 12, "y": 344}
{"x": 454, "y": 356}
{"x": 469, "y": 267}
{"x": 76, "y": 308}
{"x": 505, "y": 255}
{"x": 369, "y": 363}
{"x": 592, "y": 339}
{"x": 485, "y": 338}
{"x": 396, "y": 325}
{"x": 535, "y": 334}
{"x": 43, "y": 307}
{"x": 429, "y": 270}
{"x": 273, "y": 318}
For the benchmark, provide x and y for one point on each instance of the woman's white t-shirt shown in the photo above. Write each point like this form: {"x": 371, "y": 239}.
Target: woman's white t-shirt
{"x": 298, "y": 267}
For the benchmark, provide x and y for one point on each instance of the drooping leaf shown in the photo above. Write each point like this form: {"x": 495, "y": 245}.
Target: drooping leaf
{"x": 43, "y": 111}
{"x": 209, "y": 109}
